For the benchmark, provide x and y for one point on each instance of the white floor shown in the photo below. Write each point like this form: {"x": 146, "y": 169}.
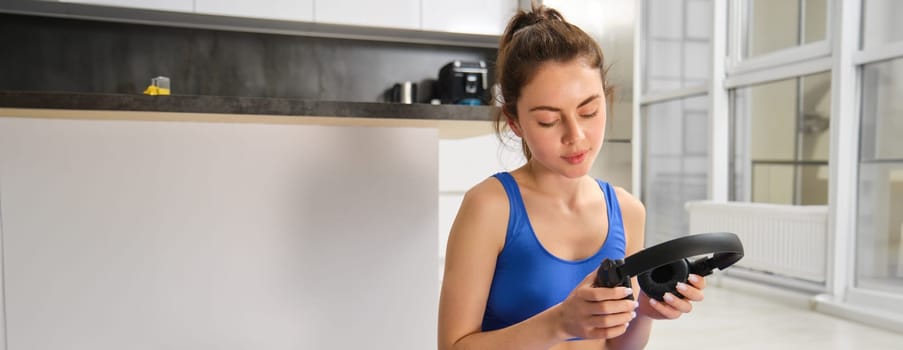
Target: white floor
{"x": 730, "y": 319}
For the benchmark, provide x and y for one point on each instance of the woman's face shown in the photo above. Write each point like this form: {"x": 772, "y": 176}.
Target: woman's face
{"x": 561, "y": 116}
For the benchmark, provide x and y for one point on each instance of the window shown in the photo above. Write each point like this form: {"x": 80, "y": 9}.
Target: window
{"x": 781, "y": 147}
{"x": 677, "y": 67}
{"x": 678, "y": 49}
{"x": 879, "y": 243}
{"x": 774, "y": 25}
{"x": 881, "y": 22}
{"x": 676, "y": 164}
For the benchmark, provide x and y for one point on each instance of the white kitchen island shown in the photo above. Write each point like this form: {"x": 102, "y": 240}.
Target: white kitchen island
{"x": 161, "y": 230}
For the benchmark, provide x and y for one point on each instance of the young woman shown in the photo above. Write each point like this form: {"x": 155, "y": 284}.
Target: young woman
{"x": 525, "y": 245}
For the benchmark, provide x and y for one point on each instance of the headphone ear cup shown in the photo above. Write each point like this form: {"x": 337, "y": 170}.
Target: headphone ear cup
{"x": 663, "y": 279}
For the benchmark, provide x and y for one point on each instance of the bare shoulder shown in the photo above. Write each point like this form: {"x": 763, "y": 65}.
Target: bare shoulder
{"x": 633, "y": 213}
{"x": 483, "y": 214}
{"x": 631, "y": 207}
{"x": 474, "y": 242}
{"x": 487, "y": 195}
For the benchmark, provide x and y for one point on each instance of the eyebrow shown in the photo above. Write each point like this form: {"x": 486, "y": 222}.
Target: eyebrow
{"x": 556, "y": 109}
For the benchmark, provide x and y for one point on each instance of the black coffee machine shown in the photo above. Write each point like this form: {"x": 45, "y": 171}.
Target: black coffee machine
{"x": 463, "y": 83}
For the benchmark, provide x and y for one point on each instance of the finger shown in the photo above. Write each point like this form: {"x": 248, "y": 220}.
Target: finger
{"x": 602, "y": 294}
{"x": 697, "y": 281}
{"x": 689, "y": 292}
{"x": 610, "y": 307}
{"x": 590, "y": 278}
{"x": 664, "y": 309}
{"x": 606, "y": 333}
{"x": 607, "y": 321}
{"x": 679, "y": 304}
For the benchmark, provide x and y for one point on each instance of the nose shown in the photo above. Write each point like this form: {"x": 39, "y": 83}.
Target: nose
{"x": 573, "y": 132}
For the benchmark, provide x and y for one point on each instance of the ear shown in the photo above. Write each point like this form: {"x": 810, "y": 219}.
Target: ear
{"x": 513, "y": 125}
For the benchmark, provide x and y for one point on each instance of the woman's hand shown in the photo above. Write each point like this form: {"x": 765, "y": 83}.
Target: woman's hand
{"x": 673, "y": 306}
{"x": 595, "y": 313}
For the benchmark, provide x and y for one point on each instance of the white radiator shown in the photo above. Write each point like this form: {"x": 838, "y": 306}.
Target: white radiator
{"x": 784, "y": 240}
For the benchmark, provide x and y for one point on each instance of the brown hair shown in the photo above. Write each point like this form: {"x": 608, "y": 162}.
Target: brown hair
{"x": 530, "y": 39}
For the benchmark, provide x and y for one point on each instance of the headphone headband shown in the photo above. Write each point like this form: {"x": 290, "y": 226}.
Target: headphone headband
{"x": 659, "y": 268}
{"x": 726, "y": 247}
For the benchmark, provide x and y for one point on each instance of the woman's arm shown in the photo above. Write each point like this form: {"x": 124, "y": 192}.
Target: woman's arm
{"x": 475, "y": 240}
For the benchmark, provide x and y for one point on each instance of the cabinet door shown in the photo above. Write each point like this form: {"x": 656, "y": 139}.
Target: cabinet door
{"x": 403, "y": 14}
{"x": 140, "y": 235}
{"x": 165, "y": 5}
{"x": 293, "y": 10}
{"x": 468, "y": 16}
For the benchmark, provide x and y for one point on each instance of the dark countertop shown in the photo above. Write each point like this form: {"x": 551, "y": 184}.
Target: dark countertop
{"x": 240, "y": 105}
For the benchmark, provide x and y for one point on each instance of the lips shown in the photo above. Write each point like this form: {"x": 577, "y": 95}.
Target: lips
{"x": 575, "y": 158}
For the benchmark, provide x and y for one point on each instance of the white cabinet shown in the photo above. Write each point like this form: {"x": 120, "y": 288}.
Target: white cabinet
{"x": 461, "y": 16}
{"x": 292, "y": 10}
{"x": 403, "y": 14}
{"x": 130, "y": 234}
{"x": 468, "y": 16}
{"x": 165, "y": 5}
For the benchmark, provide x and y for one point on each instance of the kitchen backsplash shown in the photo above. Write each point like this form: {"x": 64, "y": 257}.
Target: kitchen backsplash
{"x": 54, "y": 54}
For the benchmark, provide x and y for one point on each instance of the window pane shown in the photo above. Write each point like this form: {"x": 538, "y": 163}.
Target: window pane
{"x": 813, "y": 184}
{"x": 663, "y": 129}
{"x": 700, "y": 25}
{"x": 772, "y": 108}
{"x": 664, "y": 19}
{"x": 675, "y": 164}
{"x": 815, "y": 19}
{"x": 664, "y": 64}
{"x": 677, "y": 44}
{"x": 882, "y": 111}
{"x": 780, "y": 24}
{"x": 697, "y": 63}
{"x": 773, "y": 25}
{"x": 781, "y": 141}
{"x": 741, "y": 167}
{"x": 816, "y": 108}
{"x": 881, "y": 22}
{"x": 696, "y": 139}
{"x": 879, "y": 237}
{"x": 772, "y": 183}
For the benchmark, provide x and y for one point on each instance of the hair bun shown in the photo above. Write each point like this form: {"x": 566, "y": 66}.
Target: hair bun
{"x": 523, "y": 19}
{"x": 546, "y": 13}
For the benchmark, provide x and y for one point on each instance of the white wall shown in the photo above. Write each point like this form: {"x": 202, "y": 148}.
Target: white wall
{"x": 201, "y": 235}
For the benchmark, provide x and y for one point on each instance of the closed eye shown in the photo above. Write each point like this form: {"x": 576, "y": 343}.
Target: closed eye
{"x": 548, "y": 124}
{"x": 593, "y": 114}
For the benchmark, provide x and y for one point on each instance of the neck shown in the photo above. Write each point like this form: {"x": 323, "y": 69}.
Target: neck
{"x": 553, "y": 185}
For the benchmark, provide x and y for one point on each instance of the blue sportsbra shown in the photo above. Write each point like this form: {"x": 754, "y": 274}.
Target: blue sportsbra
{"x": 528, "y": 279}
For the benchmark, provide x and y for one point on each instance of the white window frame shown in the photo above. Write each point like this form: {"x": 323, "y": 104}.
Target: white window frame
{"x": 881, "y": 53}
{"x": 883, "y": 309}
{"x": 737, "y": 64}
{"x": 839, "y": 54}
{"x": 740, "y": 72}
{"x": 655, "y": 97}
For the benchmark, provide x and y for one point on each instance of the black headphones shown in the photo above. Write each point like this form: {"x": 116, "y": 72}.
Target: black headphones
{"x": 659, "y": 268}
